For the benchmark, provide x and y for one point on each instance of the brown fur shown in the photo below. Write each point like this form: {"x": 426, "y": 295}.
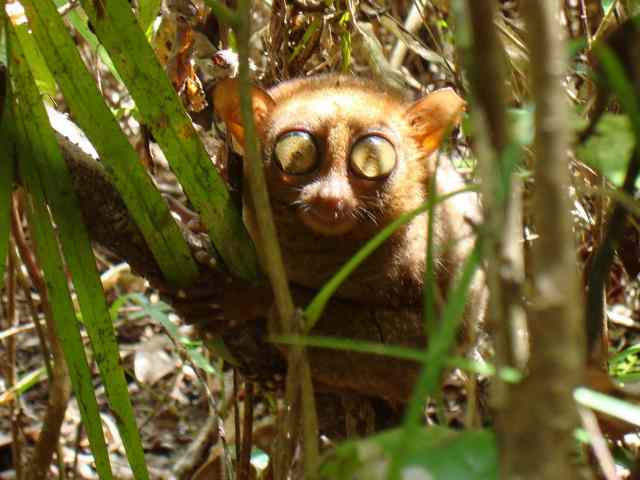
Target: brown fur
{"x": 337, "y": 111}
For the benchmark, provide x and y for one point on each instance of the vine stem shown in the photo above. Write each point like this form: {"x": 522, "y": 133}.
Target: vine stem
{"x": 298, "y": 384}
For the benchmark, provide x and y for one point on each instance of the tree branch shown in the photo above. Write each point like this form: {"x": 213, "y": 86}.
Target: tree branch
{"x": 503, "y": 210}
{"x": 557, "y": 359}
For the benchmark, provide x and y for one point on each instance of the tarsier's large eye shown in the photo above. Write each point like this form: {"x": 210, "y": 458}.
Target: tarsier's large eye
{"x": 373, "y": 157}
{"x": 296, "y": 152}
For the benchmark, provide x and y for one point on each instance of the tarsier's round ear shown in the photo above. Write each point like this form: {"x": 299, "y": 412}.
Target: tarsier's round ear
{"x": 226, "y": 101}
{"x": 433, "y": 116}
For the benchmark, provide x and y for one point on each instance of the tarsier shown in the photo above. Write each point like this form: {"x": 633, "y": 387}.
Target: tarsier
{"x": 344, "y": 157}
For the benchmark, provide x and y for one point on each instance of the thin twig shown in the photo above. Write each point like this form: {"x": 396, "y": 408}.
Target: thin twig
{"x": 198, "y": 449}
{"x": 244, "y": 454}
{"x": 269, "y": 250}
{"x": 604, "y": 23}
{"x": 598, "y": 443}
{"x": 236, "y": 418}
{"x": 215, "y": 409}
{"x": 566, "y": 9}
{"x": 59, "y": 382}
{"x": 254, "y": 170}
{"x": 10, "y": 332}
{"x": 502, "y": 209}
{"x": 585, "y": 22}
{"x": 11, "y": 375}
{"x": 33, "y": 311}
{"x": 25, "y": 253}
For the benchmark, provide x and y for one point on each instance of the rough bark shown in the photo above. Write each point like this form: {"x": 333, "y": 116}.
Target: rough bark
{"x": 505, "y": 265}
{"x": 544, "y": 434}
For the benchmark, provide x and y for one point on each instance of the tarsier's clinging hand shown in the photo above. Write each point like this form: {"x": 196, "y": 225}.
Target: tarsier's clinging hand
{"x": 345, "y": 157}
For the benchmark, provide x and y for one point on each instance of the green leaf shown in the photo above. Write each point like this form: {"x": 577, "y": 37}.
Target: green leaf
{"x": 24, "y": 384}
{"x": 161, "y": 110}
{"x": 159, "y": 312}
{"x": 345, "y": 41}
{"x": 7, "y": 157}
{"x": 54, "y": 176}
{"x": 25, "y": 102}
{"x": 78, "y": 19}
{"x": 620, "y": 84}
{"x": 607, "y": 5}
{"x": 610, "y": 147}
{"x": 478, "y": 367}
{"x": 444, "y": 337}
{"x": 633, "y": 350}
{"x": 143, "y": 201}
{"x": 520, "y": 122}
{"x": 435, "y": 453}
{"x": 625, "y": 365}
{"x": 311, "y": 29}
{"x": 45, "y": 81}
{"x": 4, "y": 59}
{"x": 629, "y": 378}
{"x": 192, "y": 348}
{"x": 615, "y": 407}
{"x": 147, "y": 13}
{"x": 437, "y": 349}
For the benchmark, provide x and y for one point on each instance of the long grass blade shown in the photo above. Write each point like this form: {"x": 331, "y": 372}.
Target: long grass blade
{"x": 160, "y": 109}
{"x": 7, "y": 146}
{"x": 316, "y": 307}
{"x": 89, "y": 109}
{"x": 436, "y": 356}
{"x": 54, "y": 177}
{"x": 48, "y": 255}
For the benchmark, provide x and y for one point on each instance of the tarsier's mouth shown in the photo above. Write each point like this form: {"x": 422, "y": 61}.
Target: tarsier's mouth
{"x": 329, "y": 223}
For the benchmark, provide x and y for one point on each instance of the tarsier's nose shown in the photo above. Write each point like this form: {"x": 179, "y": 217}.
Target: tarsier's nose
{"x": 331, "y": 204}
{"x": 328, "y": 208}
{"x": 331, "y": 200}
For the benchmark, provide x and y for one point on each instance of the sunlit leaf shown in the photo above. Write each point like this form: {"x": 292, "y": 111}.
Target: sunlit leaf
{"x": 147, "y": 13}
{"x": 615, "y": 407}
{"x": 435, "y": 453}
{"x": 78, "y": 19}
{"x": 610, "y": 147}
{"x": 607, "y": 5}
{"x": 159, "y": 312}
{"x": 23, "y": 385}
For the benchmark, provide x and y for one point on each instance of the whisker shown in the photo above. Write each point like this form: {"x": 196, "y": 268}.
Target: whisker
{"x": 301, "y": 205}
{"x": 366, "y": 214}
